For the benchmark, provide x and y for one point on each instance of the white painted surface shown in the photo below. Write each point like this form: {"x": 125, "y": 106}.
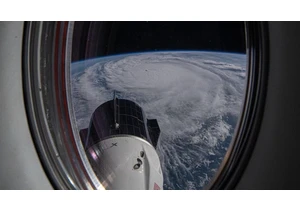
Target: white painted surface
{"x": 20, "y": 167}
{"x": 114, "y": 160}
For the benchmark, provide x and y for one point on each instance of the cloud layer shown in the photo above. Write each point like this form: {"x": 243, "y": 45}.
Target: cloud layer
{"x": 195, "y": 96}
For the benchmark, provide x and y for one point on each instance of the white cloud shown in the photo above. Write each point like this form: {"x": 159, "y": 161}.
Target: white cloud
{"x": 188, "y": 93}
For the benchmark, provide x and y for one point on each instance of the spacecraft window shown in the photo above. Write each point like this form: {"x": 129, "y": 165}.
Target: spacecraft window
{"x": 186, "y": 94}
{"x": 192, "y": 83}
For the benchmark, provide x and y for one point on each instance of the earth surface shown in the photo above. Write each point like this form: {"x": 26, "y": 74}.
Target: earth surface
{"x": 196, "y": 97}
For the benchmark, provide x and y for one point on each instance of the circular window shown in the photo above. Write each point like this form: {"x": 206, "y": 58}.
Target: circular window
{"x": 143, "y": 105}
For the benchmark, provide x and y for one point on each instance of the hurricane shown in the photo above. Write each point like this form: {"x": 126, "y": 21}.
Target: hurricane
{"x": 195, "y": 96}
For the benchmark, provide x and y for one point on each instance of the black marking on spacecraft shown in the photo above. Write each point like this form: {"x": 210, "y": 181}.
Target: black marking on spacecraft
{"x": 142, "y": 154}
{"x": 114, "y": 144}
{"x": 139, "y": 161}
{"x": 119, "y": 117}
{"x": 138, "y": 164}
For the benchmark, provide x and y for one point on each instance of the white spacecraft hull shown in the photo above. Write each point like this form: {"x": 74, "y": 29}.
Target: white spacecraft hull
{"x": 121, "y": 168}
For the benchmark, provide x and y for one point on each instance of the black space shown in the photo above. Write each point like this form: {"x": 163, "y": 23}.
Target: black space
{"x": 94, "y": 39}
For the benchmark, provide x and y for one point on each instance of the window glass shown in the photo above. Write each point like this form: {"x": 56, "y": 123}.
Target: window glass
{"x": 178, "y": 85}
